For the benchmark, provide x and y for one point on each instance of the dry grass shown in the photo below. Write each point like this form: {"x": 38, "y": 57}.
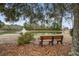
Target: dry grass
{"x": 34, "y": 50}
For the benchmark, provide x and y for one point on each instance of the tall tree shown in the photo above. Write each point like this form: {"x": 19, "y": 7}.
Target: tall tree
{"x": 75, "y": 40}
{"x": 1, "y": 24}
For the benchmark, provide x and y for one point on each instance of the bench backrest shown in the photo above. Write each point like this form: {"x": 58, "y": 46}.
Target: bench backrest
{"x": 58, "y": 37}
{"x": 46, "y": 37}
{"x": 51, "y": 37}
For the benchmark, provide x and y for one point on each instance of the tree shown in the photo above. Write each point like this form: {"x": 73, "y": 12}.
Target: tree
{"x": 33, "y": 11}
{"x": 1, "y": 24}
{"x": 75, "y": 40}
{"x": 10, "y": 12}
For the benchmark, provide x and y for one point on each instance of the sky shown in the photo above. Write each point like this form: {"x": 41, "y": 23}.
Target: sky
{"x": 21, "y": 22}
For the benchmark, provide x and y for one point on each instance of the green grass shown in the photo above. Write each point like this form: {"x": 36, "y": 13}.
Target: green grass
{"x": 7, "y": 32}
{"x": 46, "y": 31}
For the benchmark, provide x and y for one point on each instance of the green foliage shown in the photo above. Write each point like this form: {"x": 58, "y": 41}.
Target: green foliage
{"x": 13, "y": 12}
{"x": 1, "y": 24}
{"x": 34, "y": 26}
{"x": 2, "y": 7}
{"x": 25, "y": 38}
{"x": 12, "y": 28}
{"x": 7, "y": 32}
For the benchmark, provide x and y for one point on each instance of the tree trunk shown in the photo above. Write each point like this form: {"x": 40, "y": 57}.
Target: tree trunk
{"x": 75, "y": 39}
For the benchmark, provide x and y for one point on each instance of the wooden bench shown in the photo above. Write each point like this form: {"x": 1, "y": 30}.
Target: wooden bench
{"x": 58, "y": 38}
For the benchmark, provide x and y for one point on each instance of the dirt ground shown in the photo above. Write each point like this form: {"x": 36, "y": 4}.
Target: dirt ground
{"x": 9, "y": 38}
{"x": 33, "y": 49}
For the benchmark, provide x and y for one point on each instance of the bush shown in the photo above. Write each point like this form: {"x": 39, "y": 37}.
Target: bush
{"x": 25, "y": 38}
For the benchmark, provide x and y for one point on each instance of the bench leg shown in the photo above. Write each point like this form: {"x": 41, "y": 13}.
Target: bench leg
{"x": 57, "y": 42}
{"x": 49, "y": 42}
{"x": 52, "y": 42}
{"x": 41, "y": 43}
{"x": 61, "y": 42}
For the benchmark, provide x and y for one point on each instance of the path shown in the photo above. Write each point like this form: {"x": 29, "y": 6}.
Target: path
{"x": 8, "y": 38}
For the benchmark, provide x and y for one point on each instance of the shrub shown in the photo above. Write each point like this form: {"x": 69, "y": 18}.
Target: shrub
{"x": 25, "y": 38}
